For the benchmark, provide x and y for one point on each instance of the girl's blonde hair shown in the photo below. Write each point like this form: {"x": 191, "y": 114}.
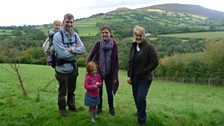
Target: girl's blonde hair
{"x": 57, "y": 22}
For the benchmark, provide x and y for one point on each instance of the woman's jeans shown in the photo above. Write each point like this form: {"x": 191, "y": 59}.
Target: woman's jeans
{"x": 140, "y": 90}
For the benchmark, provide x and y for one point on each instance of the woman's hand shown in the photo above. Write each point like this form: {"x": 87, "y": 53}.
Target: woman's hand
{"x": 129, "y": 81}
{"x": 114, "y": 81}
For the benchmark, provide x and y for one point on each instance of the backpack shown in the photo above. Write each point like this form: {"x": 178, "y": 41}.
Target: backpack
{"x": 49, "y": 50}
{"x": 47, "y": 45}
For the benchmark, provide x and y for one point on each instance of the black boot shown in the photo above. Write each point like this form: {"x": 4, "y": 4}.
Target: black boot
{"x": 99, "y": 110}
{"x": 112, "y": 112}
{"x": 63, "y": 112}
{"x": 72, "y": 108}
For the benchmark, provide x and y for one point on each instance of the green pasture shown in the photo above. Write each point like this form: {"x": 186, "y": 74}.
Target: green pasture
{"x": 43, "y": 29}
{"x": 207, "y": 35}
{"x": 168, "y": 103}
{"x": 5, "y": 31}
{"x": 87, "y": 30}
{"x": 87, "y": 27}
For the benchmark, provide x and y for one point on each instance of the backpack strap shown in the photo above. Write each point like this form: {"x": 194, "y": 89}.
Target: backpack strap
{"x": 75, "y": 38}
{"x": 62, "y": 36}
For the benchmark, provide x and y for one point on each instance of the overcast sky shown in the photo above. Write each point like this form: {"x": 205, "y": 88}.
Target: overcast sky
{"x": 38, "y": 12}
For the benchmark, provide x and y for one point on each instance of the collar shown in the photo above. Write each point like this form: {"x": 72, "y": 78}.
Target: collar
{"x": 141, "y": 44}
{"x": 68, "y": 33}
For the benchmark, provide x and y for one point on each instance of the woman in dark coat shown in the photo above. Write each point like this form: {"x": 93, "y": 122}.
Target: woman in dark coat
{"x": 105, "y": 54}
{"x": 142, "y": 61}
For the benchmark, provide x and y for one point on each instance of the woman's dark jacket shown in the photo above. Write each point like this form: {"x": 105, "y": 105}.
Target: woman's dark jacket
{"x": 94, "y": 56}
{"x": 148, "y": 61}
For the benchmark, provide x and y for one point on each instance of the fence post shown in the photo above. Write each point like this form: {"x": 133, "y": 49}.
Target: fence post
{"x": 193, "y": 79}
{"x": 209, "y": 81}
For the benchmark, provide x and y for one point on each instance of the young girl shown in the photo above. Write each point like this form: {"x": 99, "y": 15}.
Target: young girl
{"x": 92, "y": 83}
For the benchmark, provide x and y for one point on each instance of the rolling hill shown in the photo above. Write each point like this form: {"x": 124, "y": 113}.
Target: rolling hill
{"x": 158, "y": 19}
{"x": 188, "y": 9}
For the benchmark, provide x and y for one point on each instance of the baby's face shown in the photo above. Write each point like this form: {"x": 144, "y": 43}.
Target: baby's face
{"x": 57, "y": 26}
{"x": 94, "y": 71}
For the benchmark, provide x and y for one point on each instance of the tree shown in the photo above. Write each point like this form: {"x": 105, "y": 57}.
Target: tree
{"x": 13, "y": 55}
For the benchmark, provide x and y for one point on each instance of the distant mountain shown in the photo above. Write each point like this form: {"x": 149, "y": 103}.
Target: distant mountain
{"x": 157, "y": 19}
{"x": 123, "y": 9}
{"x": 189, "y": 9}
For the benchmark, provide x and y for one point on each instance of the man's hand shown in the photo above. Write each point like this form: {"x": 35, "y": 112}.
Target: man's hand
{"x": 77, "y": 45}
{"x": 69, "y": 49}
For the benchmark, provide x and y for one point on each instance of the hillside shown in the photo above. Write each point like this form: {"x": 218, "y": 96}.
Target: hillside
{"x": 158, "y": 19}
{"x": 188, "y": 9}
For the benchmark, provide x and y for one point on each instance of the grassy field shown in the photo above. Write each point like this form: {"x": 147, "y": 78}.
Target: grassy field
{"x": 87, "y": 30}
{"x": 207, "y": 35}
{"x": 168, "y": 103}
{"x": 5, "y": 32}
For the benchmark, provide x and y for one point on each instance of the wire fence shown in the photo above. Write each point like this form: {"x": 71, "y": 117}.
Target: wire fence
{"x": 202, "y": 81}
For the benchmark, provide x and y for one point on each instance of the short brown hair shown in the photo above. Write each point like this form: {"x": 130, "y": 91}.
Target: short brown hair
{"x": 68, "y": 16}
{"x": 91, "y": 66}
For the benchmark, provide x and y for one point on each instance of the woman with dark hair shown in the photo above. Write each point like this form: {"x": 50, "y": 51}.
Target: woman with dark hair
{"x": 105, "y": 54}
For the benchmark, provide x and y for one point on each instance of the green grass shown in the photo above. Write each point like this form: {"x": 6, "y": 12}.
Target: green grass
{"x": 6, "y": 32}
{"x": 87, "y": 27}
{"x": 43, "y": 29}
{"x": 207, "y": 35}
{"x": 87, "y": 30}
{"x": 168, "y": 103}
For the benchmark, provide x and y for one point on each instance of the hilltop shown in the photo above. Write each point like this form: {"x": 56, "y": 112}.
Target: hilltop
{"x": 157, "y": 19}
{"x": 188, "y": 9}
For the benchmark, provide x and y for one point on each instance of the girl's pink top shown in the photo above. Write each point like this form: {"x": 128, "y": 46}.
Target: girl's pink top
{"x": 89, "y": 83}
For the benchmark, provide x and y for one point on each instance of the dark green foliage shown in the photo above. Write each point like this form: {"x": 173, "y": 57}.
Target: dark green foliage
{"x": 33, "y": 32}
{"x": 171, "y": 46}
{"x": 124, "y": 49}
{"x": 207, "y": 64}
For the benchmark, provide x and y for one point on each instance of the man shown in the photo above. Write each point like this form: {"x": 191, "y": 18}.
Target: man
{"x": 67, "y": 45}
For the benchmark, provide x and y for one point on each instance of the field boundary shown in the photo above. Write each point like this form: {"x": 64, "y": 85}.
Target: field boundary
{"x": 202, "y": 81}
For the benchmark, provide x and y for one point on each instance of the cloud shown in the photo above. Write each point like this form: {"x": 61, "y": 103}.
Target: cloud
{"x": 34, "y": 12}
{"x": 118, "y": 3}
